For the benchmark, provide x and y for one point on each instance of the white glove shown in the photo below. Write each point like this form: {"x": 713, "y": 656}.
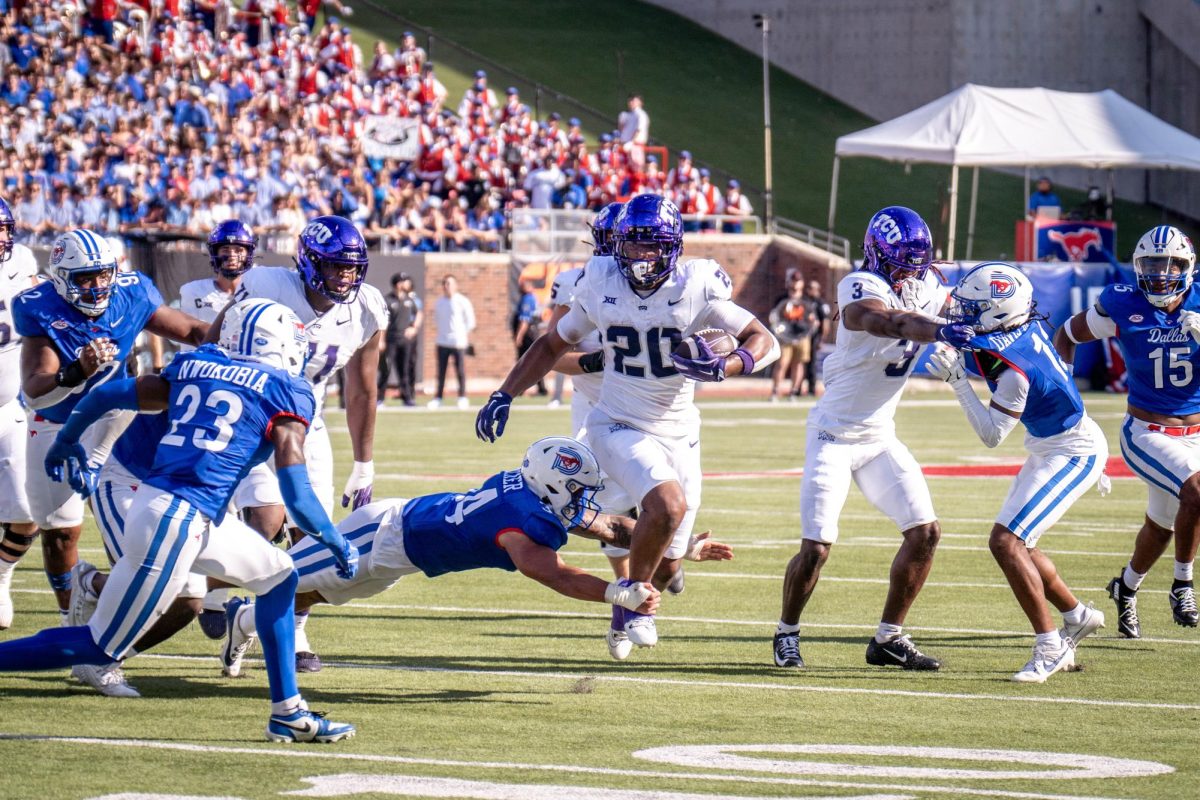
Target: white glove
{"x": 947, "y": 364}
{"x": 630, "y": 597}
{"x": 359, "y": 486}
{"x": 1189, "y": 322}
{"x": 910, "y": 294}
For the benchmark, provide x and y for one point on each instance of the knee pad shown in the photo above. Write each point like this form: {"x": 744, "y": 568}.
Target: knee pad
{"x": 20, "y": 540}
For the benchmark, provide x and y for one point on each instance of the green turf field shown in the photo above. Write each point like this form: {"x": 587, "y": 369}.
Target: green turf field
{"x": 704, "y": 93}
{"x": 489, "y": 679}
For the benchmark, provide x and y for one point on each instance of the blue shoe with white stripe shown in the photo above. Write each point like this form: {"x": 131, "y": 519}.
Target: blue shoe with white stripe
{"x": 307, "y": 726}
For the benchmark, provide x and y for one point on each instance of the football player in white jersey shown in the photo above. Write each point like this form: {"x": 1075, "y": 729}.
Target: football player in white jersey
{"x": 889, "y": 308}
{"x": 18, "y": 271}
{"x": 644, "y": 304}
{"x": 345, "y": 319}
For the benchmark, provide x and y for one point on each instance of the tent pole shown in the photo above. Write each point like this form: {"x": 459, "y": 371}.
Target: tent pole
{"x": 1111, "y": 184}
{"x": 837, "y": 162}
{"x": 971, "y": 216}
{"x": 953, "y": 212}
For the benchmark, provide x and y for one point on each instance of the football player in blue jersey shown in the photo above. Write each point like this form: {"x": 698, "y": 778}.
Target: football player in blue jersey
{"x": 516, "y": 520}
{"x": 78, "y": 330}
{"x": 229, "y": 408}
{"x": 1157, "y": 326}
{"x": 1067, "y": 451}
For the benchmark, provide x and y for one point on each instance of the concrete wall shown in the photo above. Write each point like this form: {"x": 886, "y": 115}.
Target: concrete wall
{"x": 885, "y": 59}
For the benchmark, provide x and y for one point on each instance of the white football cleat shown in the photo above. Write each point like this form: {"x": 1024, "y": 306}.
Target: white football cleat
{"x": 619, "y": 646}
{"x": 1045, "y": 663}
{"x": 640, "y": 629}
{"x": 1093, "y": 620}
{"x": 108, "y": 680}
{"x": 83, "y": 599}
{"x": 236, "y": 642}
{"x": 6, "y": 606}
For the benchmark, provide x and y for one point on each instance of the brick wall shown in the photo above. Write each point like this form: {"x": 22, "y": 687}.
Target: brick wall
{"x": 756, "y": 264}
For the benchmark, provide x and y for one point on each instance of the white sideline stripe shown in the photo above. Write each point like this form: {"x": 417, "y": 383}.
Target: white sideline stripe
{"x": 786, "y": 687}
{"x": 567, "y": 768}
{"x": 894, "y": 541}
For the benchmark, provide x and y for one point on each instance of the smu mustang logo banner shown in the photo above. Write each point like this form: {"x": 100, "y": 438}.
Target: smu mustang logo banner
{"x": 1001, "y": 286}
{"x": 1076, "y": 241}
{"x": 568, "y": 461}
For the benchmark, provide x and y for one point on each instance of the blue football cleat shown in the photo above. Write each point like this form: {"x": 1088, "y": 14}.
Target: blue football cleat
{"x": 212, "y": 623}
{"x": 307, "y": 726}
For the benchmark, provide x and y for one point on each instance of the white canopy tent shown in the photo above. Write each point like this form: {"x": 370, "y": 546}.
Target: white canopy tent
{"x": 980, "y": 126}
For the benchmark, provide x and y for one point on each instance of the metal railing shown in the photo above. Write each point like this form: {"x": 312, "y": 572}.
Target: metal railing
{"x": 830, "y": 242}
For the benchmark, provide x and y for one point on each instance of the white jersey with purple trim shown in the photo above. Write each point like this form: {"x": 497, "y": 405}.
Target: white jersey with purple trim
{"x": 641, "y": 387}
{"x": 16, "y": 275}
{"x": 562, "y": 293}
{"x": 204, "y": 300}
{"x": 865, "y": 374}
{"x": 333, "y": 337}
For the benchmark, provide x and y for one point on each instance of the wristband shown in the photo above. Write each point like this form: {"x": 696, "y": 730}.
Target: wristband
{"x": 592, "y": 362}
{"x": 747, "y": 360}
{"x": 71, "y": 375}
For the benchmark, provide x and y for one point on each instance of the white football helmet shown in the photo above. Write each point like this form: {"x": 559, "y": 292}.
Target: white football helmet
{"x": 81, "y": 255}
{"x": 564, "y": 474}
{"x": 993, "y": 297}
{"x": 260, "y": 330}
{"x": 1163, "y": 260}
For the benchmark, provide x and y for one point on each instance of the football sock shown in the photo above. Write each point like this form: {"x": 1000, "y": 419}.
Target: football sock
{"x": 1050, "y": 641}
{"x": 302, "y": 645}
{"x": 285, "y": 708}
{"x": 886, "y": 632}
{"x": 62, "y": 617}
{"x": 1075, "y": 615}
{"x": 245, "y": 620}
{"x": 783, "y": 627}
{"x": 6, "y": 566}
{"x": 1131, "y": 579}
{"x": 618, "y": 618}
{"x": 215, "y": 600}
{"x": 275, "y": 620}
{"x": 1183, "y": 571}
{"x": 53, "y": 648}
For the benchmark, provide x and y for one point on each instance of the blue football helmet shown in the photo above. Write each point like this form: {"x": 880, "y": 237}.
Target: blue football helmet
{"x": 8, "y": 224}
{"x": 897, "y": 245}
{"x": 602, "y": 227}
{"x": 328, "y": 245}
{"x": 647, "y": 238}
{"x": 231, "y": 232}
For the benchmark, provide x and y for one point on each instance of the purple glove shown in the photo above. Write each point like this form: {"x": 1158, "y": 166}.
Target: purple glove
{"x": 957, "y": 335}
{"x": 708, "y": 367}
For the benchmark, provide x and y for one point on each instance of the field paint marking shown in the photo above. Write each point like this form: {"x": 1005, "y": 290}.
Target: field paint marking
{"x": 568, "y": 768}
{"x": 419, "y": 786}
{"x": 1078, "y": 766}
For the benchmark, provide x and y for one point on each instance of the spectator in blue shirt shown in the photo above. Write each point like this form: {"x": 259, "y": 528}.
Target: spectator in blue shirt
{"x": 527, "y": 323}
{"x": 15, "y": 92}
{"x": 1043, "y": 197}
{"x": 23, "y": 51}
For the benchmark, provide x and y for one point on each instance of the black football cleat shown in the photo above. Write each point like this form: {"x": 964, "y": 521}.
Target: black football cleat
{"x": 1128, "y": 624}
{"x": 900, "y": 652}
{"x": 1183, "y": 604}
{"x": 787, "y": 650}
{"x": 308, "y": 662}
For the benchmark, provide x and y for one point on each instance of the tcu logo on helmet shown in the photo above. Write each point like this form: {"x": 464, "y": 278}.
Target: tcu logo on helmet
{"x": 1001, "y": 286}
{"x": 319, "y": 232}
{"x": 889, "y": 229}
{"x": 567, "y": 461}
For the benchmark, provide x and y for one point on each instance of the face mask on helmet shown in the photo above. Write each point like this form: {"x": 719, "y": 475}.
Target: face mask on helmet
{"x": 564, "y": 474}
{"x": 90, "y": 290}
{"x": 333, "y": 258}
{"x": 7, "y": 227}
{"x": 1162, "y": 277}
{"x": 602, "y": 230}
{"x": 645, "y": 264}
{"x": 231, "y": 260}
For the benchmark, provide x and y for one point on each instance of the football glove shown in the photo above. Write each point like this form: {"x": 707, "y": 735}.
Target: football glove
{"x": 628, "y": 594}
{"x": 946, "y": 364}
{"x": 1189, "y": 323}
{"x": 707, "y": 366}
{"x": 957, "y": 335}
{"x": 491, "y": 419}
{"x": 910, "y": 294}
{"x": 359, "y": 486}
{"x": 67, "y": 461}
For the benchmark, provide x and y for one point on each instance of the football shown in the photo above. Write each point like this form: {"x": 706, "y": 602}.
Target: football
{"x": 722, "y": 343}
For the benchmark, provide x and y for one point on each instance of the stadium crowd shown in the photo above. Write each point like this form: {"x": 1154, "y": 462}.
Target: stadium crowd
{"x": 167, "y": 116}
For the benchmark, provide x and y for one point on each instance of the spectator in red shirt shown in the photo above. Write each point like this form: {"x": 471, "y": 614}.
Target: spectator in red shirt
{"x": 101, "y": 14}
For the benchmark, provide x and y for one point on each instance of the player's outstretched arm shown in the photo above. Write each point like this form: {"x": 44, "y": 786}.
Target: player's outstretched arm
{"x": 543, "y": 565}
{"x": 537, "y": 361}
{"x": 993, "y": 423}
{"x": 873, "y": 317}
{"x": 287, "y": 434}
{"x": 361, "y": 393}
{"x": 1086, "y": 326}
{"x": 171, "y": 323}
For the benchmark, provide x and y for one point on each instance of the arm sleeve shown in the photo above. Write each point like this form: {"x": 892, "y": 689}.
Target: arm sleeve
{"x": 992, "y": 425}
{"x": 1100, "y": 324}
{"x": 575, "y": 324}
{"x": 99, "y": 401}
{"x": 302, "y": 504}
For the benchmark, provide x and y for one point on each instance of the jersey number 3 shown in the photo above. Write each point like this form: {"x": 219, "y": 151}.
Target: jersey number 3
{"x": 898, "y": 369}
{"x": 227, "y": 408}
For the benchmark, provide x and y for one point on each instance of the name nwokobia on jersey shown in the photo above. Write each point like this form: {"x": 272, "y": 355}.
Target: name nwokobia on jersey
{"x": 865, "y": 374}
{"x": 641, "y": 385}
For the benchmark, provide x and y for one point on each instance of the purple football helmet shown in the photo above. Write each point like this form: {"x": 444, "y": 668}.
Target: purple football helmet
{"x": 328, "y": 246}
{"x": 898, "y": 245}
{"x": 231, "y": 232}
{"x": 647, "y": 238}
{"x": 602, "y": 226}
{"x": 8, "y": 224}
